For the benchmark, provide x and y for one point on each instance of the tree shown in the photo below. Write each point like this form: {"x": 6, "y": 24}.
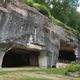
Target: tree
{"x": 63, "y": 10}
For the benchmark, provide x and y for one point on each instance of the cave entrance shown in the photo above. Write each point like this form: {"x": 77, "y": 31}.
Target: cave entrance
{"x": 66, "y": 56}
{"x": 66, "y": 53}
{"x": 20, "y": 58}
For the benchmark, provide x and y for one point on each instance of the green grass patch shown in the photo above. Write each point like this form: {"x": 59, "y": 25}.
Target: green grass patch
{"x": 32, "y": 79}
{"x": 40, "y": 71}
{"x": 50, "y": 71}
{"x": 4, "y": 72}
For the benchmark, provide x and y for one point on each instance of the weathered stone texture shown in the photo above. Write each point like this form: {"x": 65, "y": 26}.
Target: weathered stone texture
{"x": 22, "y": 21}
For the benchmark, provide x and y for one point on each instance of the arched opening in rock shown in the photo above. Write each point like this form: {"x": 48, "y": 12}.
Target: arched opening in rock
{"x": 20, "y": 58}
{"x": 66, "y": 53}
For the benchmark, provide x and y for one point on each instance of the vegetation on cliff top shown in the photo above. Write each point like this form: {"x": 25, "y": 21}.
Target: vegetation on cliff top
{"x": 44, "y": 8}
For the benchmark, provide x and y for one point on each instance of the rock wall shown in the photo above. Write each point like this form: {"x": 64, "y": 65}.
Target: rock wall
{"x": 20, "y": 22}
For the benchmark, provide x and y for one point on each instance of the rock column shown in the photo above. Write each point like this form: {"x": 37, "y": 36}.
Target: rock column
{"x": 2, "y": 53}
{"x": 77, "y": 53}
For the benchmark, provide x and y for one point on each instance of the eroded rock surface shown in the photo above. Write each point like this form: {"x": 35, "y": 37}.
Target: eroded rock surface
{"x": 19, "y": 23}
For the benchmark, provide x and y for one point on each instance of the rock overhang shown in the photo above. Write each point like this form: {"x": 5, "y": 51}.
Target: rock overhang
{"x": 23, "y": 10}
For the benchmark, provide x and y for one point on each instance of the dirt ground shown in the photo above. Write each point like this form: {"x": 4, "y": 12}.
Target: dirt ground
{"x": 15, "y": 75}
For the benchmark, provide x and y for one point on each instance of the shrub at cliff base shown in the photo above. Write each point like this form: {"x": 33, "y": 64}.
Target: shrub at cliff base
{"x": 73, "y": 68}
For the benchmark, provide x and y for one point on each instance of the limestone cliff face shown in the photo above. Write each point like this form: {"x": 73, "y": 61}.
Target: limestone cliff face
{"x": 19, "y": 22}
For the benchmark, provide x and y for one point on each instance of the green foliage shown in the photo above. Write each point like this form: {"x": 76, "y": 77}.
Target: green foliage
{"x": 56, "y": 21}
{"x": 65, "y": 11}
{"x": 42, "y": 8}
{"x": 29, "y": 2}
{"x": 39, "y": 1}
{"x": 32, "y": 79}
{"x": 66, "y": 16}
{"x": 73, "y": 67}
{"x": 49, "y": 71}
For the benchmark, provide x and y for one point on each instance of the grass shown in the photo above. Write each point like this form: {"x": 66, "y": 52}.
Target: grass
{"x": 49, "y": 71}
{"x": 73, "y": 67}
{"x": 60, "y": 71}
{"x": 23, "y": 74}
{"x": 23, "y": 78}
{"x": 32, "y": 79}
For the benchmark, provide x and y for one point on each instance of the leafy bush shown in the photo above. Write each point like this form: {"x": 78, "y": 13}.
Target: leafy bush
{"x": 73, "y": 67}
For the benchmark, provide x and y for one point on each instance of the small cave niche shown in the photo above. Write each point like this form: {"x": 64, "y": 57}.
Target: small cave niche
{"x": 20, "y": 58}
{"x": 66, "y": 53}
{"x": 66, "y": 56}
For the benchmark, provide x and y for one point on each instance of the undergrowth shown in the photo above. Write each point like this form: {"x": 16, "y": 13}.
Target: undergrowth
{"x": 73, "y": 67}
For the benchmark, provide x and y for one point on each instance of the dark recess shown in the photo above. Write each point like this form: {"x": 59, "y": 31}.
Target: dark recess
{"x": 20, "y": 59}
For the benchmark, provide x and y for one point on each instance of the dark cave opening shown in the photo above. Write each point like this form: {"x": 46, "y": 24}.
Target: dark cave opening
{"x": 20, "y": 59}
{"x": 66, "y": 56}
